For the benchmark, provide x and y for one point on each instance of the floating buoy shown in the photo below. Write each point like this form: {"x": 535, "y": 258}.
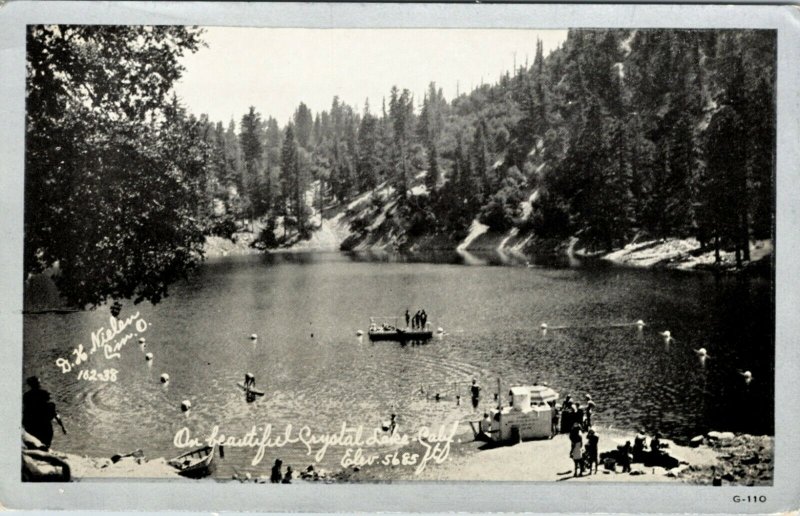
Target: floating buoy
{"x": 358, "y": 333}
{"x": 439, "y": 330}
{"x": 148, "y": 357}
{"x": 254, "y": 337}
{"x": 141, "y": 340}
{"x": 164, "y": 378}
{"x": 186, "y": 405}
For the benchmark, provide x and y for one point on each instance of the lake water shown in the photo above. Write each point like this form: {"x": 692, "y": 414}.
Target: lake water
{"x": 306, "y": 309}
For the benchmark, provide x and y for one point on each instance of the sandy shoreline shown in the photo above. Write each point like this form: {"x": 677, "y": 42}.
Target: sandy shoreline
{"x": 733, "y": 459}
{"x": 548, "y": 460}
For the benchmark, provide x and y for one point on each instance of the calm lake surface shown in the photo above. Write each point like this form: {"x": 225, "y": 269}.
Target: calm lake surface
{"x": 306, "y": 309}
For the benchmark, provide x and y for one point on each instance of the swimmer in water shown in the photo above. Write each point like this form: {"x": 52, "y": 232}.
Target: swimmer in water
{"x": 748, "y": 377}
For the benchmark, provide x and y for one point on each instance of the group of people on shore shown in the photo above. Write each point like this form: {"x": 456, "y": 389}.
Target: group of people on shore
{"x": 571, "y": 413}
{"x": 576, "y": 420}
{"x": 278, "y": 476}
{"x": 649, "y": 454}
{"x": 583, "y": 453}
{"x": 417, "y": 321}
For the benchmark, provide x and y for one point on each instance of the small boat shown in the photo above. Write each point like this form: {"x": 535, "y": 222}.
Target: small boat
{"x": 197, "y": 463}
{"x": 386, "y": 328}
{"x": 254, "y": 392}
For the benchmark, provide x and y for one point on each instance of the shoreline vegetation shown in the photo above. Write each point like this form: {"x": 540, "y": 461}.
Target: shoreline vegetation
{"x": 734, "y": 459}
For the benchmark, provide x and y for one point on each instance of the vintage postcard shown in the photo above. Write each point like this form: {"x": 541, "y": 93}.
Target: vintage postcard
{"x": 269, "y": 253}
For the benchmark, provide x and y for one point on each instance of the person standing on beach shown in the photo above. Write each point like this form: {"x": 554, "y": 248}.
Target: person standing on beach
{"x": 276, "y": 476}
{"x": 589, "y": 410}
{"x": 475, "y": 392}
{"x": 38, "y": 412}
{"x": 624, "y": 457}
{"x": 554, "y": 421}
{"x": 592, "y": 440}
{"x": 567, "y": 416}
{"x": 576, "y": 449}
{"x": 639, "y": 444}
{"x": 656, "y": 455}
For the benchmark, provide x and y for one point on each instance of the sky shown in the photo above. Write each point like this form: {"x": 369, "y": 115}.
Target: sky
{"x": 276, "y": 69}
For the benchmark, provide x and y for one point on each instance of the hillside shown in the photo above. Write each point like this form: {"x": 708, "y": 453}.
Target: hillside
{"x": 367, "y": 224}
{"x": 617, "y": 138}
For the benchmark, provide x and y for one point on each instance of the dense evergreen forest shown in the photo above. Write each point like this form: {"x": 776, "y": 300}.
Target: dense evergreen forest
{"x": 616, "y": 134}
{"x": 661, "y": 132}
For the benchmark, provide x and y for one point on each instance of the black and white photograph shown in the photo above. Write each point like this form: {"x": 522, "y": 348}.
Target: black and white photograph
{"x": 270, "y": 255}
{"x": 293, "y": 254}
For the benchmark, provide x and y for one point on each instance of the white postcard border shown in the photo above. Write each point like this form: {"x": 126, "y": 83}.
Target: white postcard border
{"x": 406, "y": 496}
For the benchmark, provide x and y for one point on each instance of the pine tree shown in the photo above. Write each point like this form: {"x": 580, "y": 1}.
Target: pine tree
{"x": 252, "y": 161}
{"x": 368, "y": 160}
{"x": 290, "y": 171}
{"x": 304, "y": 126}
{"x": 433, "y": 176}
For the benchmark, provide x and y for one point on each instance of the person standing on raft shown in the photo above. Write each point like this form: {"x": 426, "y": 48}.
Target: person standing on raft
{"x": 249, "y": 381}
{"x": 38, "y": 412}
{"x": 249, "y": 385}
{"x": 408, "y": 318}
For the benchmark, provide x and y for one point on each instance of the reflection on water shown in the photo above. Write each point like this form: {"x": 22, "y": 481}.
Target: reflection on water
{"x": 306, "y": 309}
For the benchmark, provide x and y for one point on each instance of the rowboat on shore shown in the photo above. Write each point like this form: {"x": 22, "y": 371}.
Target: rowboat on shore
{"x": 387, "y": 328}
{"x": 197, "y": 463}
